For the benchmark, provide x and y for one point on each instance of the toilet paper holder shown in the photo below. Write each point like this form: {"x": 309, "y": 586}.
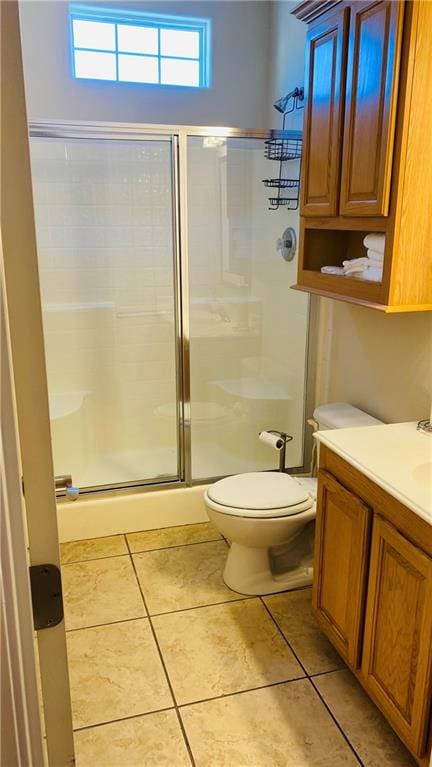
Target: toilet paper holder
{"x": 280, "y": 445}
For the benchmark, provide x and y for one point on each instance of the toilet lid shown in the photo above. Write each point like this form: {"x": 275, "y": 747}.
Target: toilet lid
{"x": 259, "y": 490}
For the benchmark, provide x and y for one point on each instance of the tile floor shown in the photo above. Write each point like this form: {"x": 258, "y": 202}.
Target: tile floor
{"x": 170, "y": 668}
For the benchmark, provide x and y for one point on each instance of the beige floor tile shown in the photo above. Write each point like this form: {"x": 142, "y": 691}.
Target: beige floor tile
{"x": 154, "y": 740}
{"x": 222, "y": 649}
{"x": 101, "y": 591}
{"x": 368, "y": 732}
{"x": 189, "y": 576}
{"x": 93, "y": 548}
{"x": 282, "y": 726}
{"x": 115, "y": 672}
{"x": 293, "y": 613}
{"x": 172, "y": 536}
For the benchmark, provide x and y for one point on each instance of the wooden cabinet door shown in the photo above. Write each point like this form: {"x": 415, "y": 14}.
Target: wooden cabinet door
{"x": 322, "y": 142}
{"x": 341, "y": 552}
{"x": 370, "y": 108}
{"x": 397, "y": 651}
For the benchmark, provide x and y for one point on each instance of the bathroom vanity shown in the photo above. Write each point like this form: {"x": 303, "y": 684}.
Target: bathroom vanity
{"x": 372, "y": 591}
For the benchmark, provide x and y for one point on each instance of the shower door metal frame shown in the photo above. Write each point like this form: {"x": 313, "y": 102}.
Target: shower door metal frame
{"x": 178, "y": 136}
{"x": 106, "y": 131}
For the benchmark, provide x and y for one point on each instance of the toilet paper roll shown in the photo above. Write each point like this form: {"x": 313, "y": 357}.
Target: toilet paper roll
{"x": 273, "y": 440}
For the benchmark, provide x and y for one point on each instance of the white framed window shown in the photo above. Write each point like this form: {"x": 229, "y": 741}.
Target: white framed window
{"x": 134, "y": 47}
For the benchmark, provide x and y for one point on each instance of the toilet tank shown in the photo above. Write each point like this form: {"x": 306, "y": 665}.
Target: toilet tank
{"x": 341, "y": 415}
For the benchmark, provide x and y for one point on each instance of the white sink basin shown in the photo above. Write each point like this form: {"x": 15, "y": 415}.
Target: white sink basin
{"x": 396, "y": 456}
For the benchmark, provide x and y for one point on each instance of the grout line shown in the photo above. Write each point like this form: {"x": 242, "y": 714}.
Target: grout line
{"x": 95, "y": 538}
{"x": 336, "y": 721}
{"x": 129, "y": 552}
{"x": 177, "y": 546}
{"x": 94, "y": 559}
{"x": 111, "y": 623}
{"x": 241, "y": 692}
{"x": 157, "y": 615}
{"x": 176, "y": 706}
{"x": 330, "y": 671}
{"x": 286, "y": 591}
{"x": 122, "y": 719}
{"x": 168, "y": 527}
{"x": 185, "y": 738}
{"x": 310, "y": 680}
{"x": 284, "y": 637}
{"x": 200, "y": 607}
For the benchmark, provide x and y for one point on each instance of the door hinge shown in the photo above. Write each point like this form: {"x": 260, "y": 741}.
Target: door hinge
{"x": 47, "y": 597}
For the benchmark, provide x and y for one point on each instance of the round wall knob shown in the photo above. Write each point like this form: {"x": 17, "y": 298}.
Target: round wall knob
{"x": 286, "y": 245}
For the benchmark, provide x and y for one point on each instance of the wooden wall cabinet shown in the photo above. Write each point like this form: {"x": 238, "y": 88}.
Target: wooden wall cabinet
{"x": 372, "y": 595}
{"x": 368, "y": 89}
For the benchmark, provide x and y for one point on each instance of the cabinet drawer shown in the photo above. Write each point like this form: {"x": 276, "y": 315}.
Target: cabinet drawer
{"x": 396, "y": 666}
{"x": 341, "y": 552}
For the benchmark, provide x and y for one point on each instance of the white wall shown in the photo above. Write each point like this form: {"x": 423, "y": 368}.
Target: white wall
{"x": 382, "y": 363}
{"x": 287, "y": 45}
{"x": 240, "y": 60}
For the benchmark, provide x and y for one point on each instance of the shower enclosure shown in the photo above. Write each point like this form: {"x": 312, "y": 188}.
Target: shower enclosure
{"x": 171, "y": 335}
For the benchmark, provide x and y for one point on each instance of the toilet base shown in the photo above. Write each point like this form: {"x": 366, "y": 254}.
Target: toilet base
{"x": 248, "y": 571}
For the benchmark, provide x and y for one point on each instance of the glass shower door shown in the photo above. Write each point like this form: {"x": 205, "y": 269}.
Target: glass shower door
{"x": 248, "y": 330}
{"x": 106, "y": 233}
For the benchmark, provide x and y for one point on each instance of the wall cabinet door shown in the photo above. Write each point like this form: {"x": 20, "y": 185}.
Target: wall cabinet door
{"x": 324, "y": 83}
{"x": 370, "y": 107}
{"x": 397, "y": 653}
{"x": 341, "y": 546}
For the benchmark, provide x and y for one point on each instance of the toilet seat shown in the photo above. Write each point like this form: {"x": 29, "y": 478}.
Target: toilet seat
{"x": 259, "y": 495}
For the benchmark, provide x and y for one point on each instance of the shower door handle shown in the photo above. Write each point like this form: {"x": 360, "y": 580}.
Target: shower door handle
{"x": 62, "y": 482}
{"x": 63, "y": 485}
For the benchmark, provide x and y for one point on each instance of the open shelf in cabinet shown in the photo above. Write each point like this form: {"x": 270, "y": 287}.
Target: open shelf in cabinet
{"x": 330, "y": 247}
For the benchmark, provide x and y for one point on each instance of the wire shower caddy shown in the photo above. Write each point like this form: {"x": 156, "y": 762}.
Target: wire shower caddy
{"x": 282, "y": 146}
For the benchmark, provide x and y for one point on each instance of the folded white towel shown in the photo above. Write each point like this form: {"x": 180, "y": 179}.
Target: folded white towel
{"x": 333, "y": 270}
{"x": 375, "y": 241}
{"x": 373, "y": 255}
{"x": 372, "y": 274}
{"x": 355, "y": 265}
{"x": 361, "y": 268}
{"x": 355, "y": 262}
{"x": 354, "y": 270}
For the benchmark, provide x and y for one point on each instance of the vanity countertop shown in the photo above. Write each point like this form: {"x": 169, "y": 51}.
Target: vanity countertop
{"x": 395, "y": 456}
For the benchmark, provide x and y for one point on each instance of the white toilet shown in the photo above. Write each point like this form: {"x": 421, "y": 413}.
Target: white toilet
{"x": 269, "y": 518}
